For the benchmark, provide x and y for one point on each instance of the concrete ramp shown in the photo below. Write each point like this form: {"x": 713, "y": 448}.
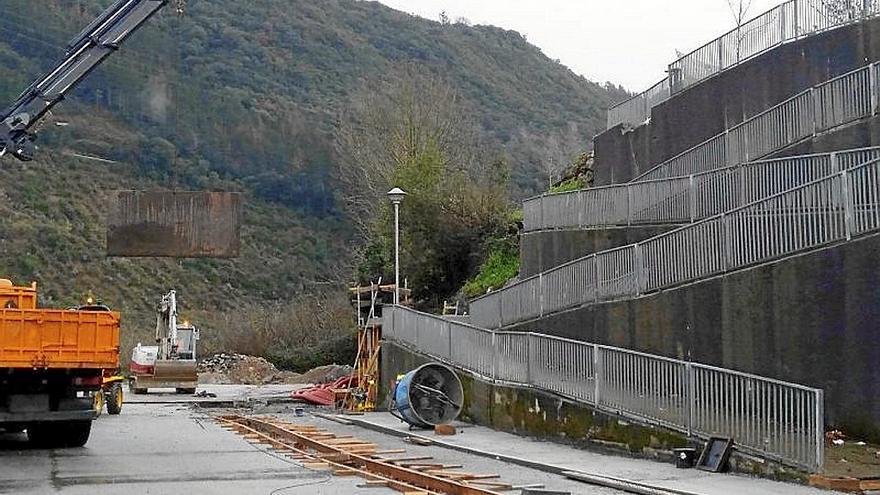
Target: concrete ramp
{"x": 175, "y": 224}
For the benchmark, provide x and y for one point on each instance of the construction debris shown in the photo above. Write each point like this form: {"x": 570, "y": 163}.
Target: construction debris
{"x": 444, "y": 429}
{"x": 326, "y": 374}
{"x": 327, "y": 394}
{"x": 238, "y": 369}
{"x": 241, "y": 369}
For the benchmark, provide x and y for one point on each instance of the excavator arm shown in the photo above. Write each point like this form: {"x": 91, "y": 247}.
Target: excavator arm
{"x": 84, "y": 53}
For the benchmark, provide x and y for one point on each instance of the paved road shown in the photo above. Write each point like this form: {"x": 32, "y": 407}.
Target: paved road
{"x": 160, "y": 449}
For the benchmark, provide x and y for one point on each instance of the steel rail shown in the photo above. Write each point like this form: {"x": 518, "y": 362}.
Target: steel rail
{"x": 398, "y": 477}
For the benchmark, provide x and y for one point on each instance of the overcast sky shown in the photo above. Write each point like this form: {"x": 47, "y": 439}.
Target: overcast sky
{"x": 627, "y": 42}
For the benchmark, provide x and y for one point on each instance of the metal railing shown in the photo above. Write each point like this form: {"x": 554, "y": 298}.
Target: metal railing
{"x": 684, "y": 199}
{"x": 789, "y": 21}
{"x": 828, "y": 210}
{"x": 637, "y": 110}
{"x": 841, "y": 100}
{"x": 780, "y": 420}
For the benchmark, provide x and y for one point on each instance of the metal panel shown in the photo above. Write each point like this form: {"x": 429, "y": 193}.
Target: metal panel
{"x": 844, "y": 99}
{"x": 863, "y": 187}
{"x": 562, "y": 366}
{"x": 800, "y": 219}
{"x": 570, "y": 285}
{"x": 473, "y": 348}
{"x": 775, "y": 418}
{"x": 616, "y": 271}
{"x": 637, "y": 110}
{"x": 667, "y": 200}
{"x": 511, "y": 353}
{"x": 175, "y": 224}
{"x": 685, "y": 254}
{"x": 650, "y": 387}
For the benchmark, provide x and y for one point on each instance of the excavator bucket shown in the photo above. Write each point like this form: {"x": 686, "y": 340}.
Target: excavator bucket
{"x": 167, "y": 373}
{"x": 175, "y": 224}
{"x": 175, "y": 371}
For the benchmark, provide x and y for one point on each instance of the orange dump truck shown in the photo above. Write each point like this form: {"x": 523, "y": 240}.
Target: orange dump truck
{"x": 51, "y": 365}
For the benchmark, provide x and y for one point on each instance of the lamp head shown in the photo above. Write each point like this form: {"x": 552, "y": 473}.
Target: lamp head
{"x": 396, "y": 195}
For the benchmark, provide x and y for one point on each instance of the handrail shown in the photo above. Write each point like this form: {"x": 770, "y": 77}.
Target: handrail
{"x": 687, "y": 198}
{"x": 779, "y": 420}
{"x": 838, "y": 101}
{"x": 832, "y": 209}
{"x": 791, "y": 20}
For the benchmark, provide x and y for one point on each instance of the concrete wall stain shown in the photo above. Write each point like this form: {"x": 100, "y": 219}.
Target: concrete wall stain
{"x": 544, "y": 416}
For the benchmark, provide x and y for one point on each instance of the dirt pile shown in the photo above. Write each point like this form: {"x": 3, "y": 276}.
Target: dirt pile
{"x": 326, "y": 374}
{"x": 241, "y": 369}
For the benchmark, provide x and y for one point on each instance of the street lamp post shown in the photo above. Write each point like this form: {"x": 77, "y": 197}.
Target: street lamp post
{"x": 396, "y": 196}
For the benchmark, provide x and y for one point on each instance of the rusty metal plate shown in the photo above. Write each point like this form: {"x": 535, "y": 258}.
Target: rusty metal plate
{"x": 175, "y": 224}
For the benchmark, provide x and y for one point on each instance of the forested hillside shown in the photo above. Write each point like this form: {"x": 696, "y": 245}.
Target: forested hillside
{"x": 249, "y": 96}
{"x": 252, "y": 89}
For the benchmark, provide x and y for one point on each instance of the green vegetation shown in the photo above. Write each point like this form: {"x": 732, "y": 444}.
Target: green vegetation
{"x": 254, "y": 97}
{"x": 254, "y": 89}
{"x": 569, "y": 185}
{"x": 415, "y": 135}
{"x": 501, "y": 265}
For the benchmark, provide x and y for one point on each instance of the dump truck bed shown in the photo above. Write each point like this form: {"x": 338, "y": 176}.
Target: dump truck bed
{"x": 53, "y": 339}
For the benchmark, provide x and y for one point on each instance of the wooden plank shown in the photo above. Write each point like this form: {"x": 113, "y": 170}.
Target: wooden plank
{"x": 391, "y": 451}
{"x": 406, "y": 459}
{"x": 419, "y": 441}
{"x": 396, "y": 473}
{"x": 869, "y": 485}
{"x": 389, "y": 482}
{"x": 840, "y": 484}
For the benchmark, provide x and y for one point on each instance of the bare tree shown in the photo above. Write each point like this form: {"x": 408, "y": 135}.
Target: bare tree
{"x": 391, "y": 123}
{"x": 740, "y": 10}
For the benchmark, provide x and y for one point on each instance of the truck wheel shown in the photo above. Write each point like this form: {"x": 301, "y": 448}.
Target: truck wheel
{"x": 114, "y": 398}
{"x": 187, "y": 390}
{"x": 98, "y": 403}
{"x": 54, "y": 434}
{"x": 43, "y": 435}
{"x": 74, "y": 433}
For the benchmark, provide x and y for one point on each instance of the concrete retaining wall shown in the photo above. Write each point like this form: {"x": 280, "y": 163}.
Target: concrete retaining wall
{"x": 727, "y": 99}
{"x": 544, "y": 250}
{"x": 814, "y": 319}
